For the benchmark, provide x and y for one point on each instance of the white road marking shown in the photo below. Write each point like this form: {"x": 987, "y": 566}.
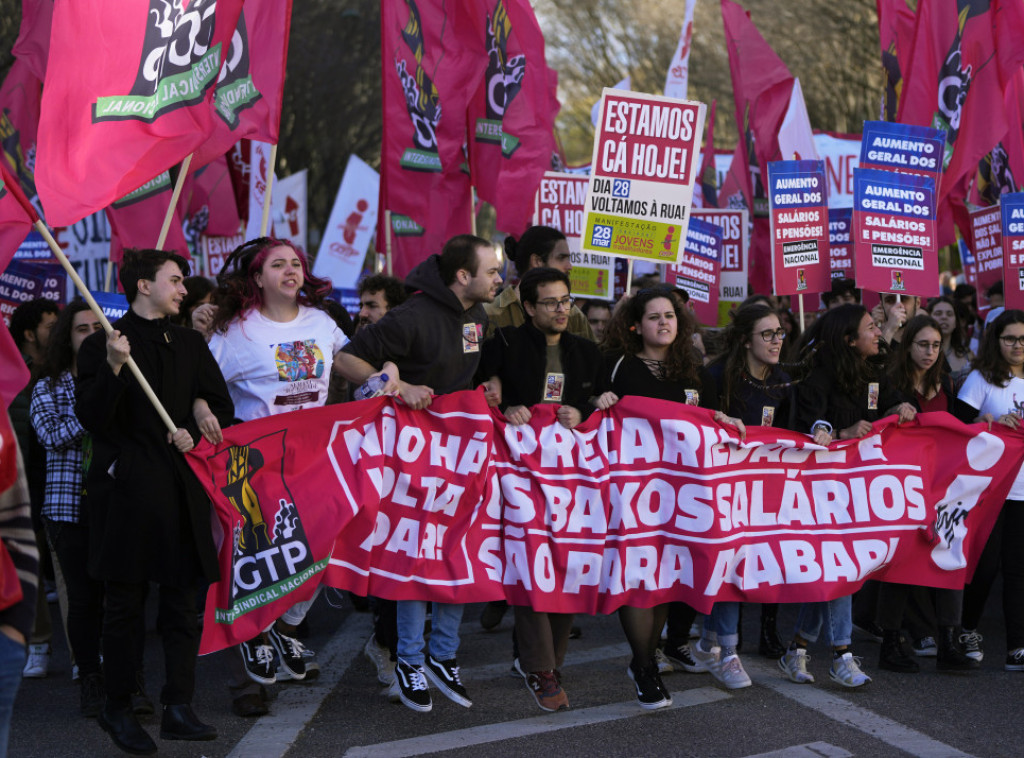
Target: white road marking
{"x": 810, "y": 750}
{"x": 273, "y": 735}
{"x": 482, "y": 735}
{"x": 819, "y": 699}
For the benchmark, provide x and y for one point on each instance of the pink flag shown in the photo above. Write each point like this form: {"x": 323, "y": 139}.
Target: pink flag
{"x": 433, "y": 58}
{"x": 129, "y": 93}
{"x": 33, "y": 43}
{"x": 512, "y": 116}
{"x": 762, "y": 86}
{"x": 135, "y": 220}
{"x": 896, "y": 37}
{"x": 16, "y": 219}
{"x": 208, "y": 200}
{"x": 19, "y": 123}
{"x": 247, "y": 101}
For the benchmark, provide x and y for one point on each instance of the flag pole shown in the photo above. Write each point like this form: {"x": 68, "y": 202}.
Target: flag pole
{"x": 174, "y": 202}
{"x": 94, "y": 306}
{"x": 265, "y": 221}
{"x": 387, "y": 241}
{"x": 109, "y": 275}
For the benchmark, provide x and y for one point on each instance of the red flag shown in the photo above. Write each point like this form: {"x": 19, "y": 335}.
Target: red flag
{"x": 964, "y": 58}
{"x": 16, "y": 218}
{"x": 208, "y": 202}
{"x": 433, "y": 58}
{"x": 762, "y": 86}
{"x": 708, "y": 174}
{"x": 33, "y": 43}
{"x": 896, "y": 35}
{"x": 136, "y": 219}
{"x": 512, "y": 115}
{"x": 1014, "y": 140}
{"x": 250, "y": 89}
{"x": 19, "y": 123}
{"x": 129, "y": 93}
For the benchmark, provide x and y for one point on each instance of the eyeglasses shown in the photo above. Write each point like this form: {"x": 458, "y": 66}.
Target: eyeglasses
{"x": 1010, "y": 341}
{"x": 771, "y": 335}
{"x": 928, "y": 346}
{"x": 551, "y": 306}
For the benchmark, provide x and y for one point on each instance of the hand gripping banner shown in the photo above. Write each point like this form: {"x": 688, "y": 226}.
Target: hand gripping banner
{"x": 648, "y": 502}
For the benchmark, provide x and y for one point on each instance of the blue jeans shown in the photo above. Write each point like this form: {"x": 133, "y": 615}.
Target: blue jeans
{"x": 724, "y": 621}
{"x": 444, "y": 631}
{"x": 12, "y": 661}
{"x": 835, "y": 615}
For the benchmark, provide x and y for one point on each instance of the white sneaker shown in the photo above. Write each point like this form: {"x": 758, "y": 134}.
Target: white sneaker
{"x": 664, "y": 664}
{"x": 846, "y": 671}
{"x": 794, "y": 665}
{"x": 730, "y": 672}
{"x": 38, "y": 662}
{"x": 380, "y": 657}
{"x": 706, "y": 660}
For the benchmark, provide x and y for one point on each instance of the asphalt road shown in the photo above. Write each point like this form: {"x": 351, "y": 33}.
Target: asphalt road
{"x": 346, "y": 712}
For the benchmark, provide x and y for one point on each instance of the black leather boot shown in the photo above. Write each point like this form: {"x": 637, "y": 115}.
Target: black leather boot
{"x": 181, "y": 723}
{"x": 123, "y": 727}
{"x": 892, "y": 656}
{"x": 769, "y": 645}
{"x": 950, "y": 656}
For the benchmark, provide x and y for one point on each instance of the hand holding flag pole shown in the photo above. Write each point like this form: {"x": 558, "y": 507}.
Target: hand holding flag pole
{"x": 15, "y": 190}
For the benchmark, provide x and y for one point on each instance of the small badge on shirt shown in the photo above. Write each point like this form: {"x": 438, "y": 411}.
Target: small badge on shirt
{"x": 471, "y": 336}
{"x": 692, "y": 397}
{"x": 767, "y": 415}
{"x": 872, "y": 396}
{"x": 553, "y": 385}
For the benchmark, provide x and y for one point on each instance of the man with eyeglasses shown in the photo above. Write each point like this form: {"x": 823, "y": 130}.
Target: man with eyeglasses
{"x": 541, "y": 362}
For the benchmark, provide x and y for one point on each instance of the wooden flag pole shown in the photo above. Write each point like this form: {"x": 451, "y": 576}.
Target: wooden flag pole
{"x": 94, "y": 306}
{"x": 265, "y": 221}
{"x": 387, "y": 241}
{"x": 108, "y": 276}
{"x": 800, "y": 299}
{"x": 174, "y": 202}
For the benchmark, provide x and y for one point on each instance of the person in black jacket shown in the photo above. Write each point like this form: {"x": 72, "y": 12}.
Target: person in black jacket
{"x": 541, "y": 362}
{"x": 149, "y": 518}
{"x": 429, "y": 345}
{"x": 843, "y": 394}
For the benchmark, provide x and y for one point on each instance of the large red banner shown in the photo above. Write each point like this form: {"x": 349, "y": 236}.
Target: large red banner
{"x": 648, "y": 502}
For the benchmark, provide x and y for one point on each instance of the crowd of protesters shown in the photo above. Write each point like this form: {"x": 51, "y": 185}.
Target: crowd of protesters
{"x": 94, "y": 450}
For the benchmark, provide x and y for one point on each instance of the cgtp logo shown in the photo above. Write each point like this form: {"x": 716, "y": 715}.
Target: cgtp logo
{"x": 270, "y": 547}
{"x": 236, "y": 90}
{"x": 179, "y": 62}
{"x": 504, "y": 75}
{"x": 421, "y": 98}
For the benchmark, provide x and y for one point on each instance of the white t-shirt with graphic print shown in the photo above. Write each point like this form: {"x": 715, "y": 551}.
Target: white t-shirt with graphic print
{"x": 988, "y": 398}
{"x": 273, "y": 367}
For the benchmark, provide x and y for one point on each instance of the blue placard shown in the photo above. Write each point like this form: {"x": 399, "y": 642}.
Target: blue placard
{"x": 704, "y": 239}
{"x": 902, "y": 147}
{"x": 113, "y": 304}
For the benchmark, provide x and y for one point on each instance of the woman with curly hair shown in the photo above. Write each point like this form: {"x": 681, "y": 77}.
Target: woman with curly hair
{"x": 952, "y": 318}
{"x": 275, "y": 344}
{"x": 994, "y": 392}
{"x": 843, "y": 393}
{"x": 650, "y": 353}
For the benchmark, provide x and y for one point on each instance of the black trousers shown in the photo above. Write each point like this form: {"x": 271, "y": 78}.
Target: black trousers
{"x": 85, "y": 595}
{"x": 179, "y": 633}
{"x": 1002, "y": 551}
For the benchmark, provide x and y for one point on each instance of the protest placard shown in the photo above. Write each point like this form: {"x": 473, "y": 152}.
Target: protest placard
{"x": 732, "y": 277}
{"x": 902, "y": 147}
{"x": 987, "y": 246}
{"x": 646, "y": 156}
{"x": 840, "y": 242}
{"x": 1013, "y": 249}
{"x": 25, "y": 280}
{"x": 895, "y": 232}
{"x": 799, "y": 227}
{"x": 698, "y": 269}
{"x": 559, "y": 204}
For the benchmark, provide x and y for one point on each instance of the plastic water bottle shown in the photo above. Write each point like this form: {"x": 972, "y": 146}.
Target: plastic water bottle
{"x": 372, "y": 387}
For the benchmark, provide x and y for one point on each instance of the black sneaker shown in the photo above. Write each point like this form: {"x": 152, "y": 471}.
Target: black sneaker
{"x": 258, "y": 659}
{"x": 412, "y": 686}
{"x": 91, "y": 695}
{"x": 445, "y": 676}
{"x": 682, "y": 658}
{"x": 649, "y": 692}
{"x": 1014, "y": 660}
{"x": 290, "y": 651}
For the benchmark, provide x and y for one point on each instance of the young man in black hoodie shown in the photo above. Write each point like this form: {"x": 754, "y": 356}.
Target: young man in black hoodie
{"x": 430, "y": 345}
{"x": 541, "y": 362}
